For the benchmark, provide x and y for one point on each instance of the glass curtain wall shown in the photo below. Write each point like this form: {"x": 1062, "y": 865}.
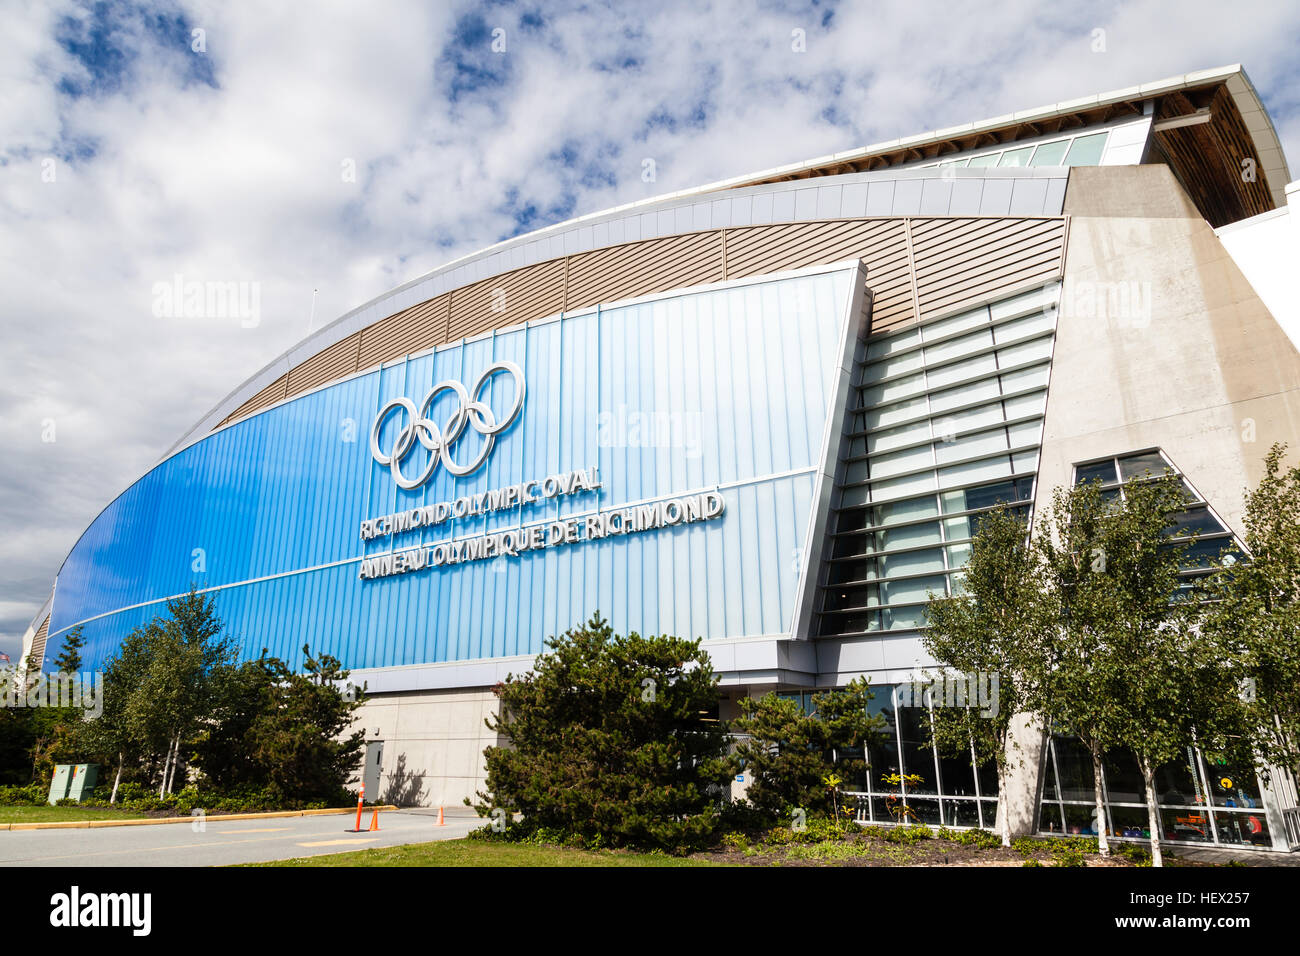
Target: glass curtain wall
{"x": 944, "y": 423}
{"x": 907, "y": 780}
{"x": 1199, "y": 801}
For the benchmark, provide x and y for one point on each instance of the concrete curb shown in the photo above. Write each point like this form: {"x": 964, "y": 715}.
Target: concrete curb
{"x": 151, "y": 821}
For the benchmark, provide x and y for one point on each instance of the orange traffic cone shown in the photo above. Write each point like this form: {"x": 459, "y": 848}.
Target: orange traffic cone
{"x": 374, "y": 820}
{"x": 361, "y": 798}
{"x": 441, "y": 822}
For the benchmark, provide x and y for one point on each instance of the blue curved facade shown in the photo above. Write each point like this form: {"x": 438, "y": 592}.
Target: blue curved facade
{"x": 728, "y": 390}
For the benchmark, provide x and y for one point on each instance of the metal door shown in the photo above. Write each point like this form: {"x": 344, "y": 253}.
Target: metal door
{"x": 374, "y": 761}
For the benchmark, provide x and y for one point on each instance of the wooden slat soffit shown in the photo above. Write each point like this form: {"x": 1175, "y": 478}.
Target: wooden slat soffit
{"x": 1214, "y": 161}
{"x": 915, "y": 268}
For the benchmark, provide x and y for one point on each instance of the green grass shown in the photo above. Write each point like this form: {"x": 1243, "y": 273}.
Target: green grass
{"x": 48, "y": 814}
{"x": 881, "y": 853}
{"x": 484, "y": 853}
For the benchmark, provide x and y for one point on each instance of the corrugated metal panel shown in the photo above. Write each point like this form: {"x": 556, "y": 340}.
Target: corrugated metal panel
{"x": 757, "y": 249}
{"x": 529, "y": 293}
{"x": 412, "y": 330}
{"x": 962, "y": 259}
{"x": 729, "y": 388}
{"x": 267, "y": 396}
{"x": 640, "y": 268}
{"x": 881, "y": 243}
{"x": 981, "y": 260}
{"x": 338, "y": 360}
{"x": 38, "y": 643}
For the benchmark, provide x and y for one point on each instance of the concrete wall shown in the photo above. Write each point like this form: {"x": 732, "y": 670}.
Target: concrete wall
{"x": 433, "y": 744}
{"x": 1160, "y": 342}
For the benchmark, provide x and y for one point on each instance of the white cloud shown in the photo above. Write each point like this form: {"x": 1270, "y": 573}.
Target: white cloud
{"x": 243, "y": 181}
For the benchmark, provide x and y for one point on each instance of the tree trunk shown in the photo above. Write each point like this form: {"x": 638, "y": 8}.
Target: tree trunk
{"x": 1153, "y": 814}
{"x": 1003, "y": 805}
{"x": 176, "y": 757}
{"x": 176, "y": 761}
{"x": 167, "y": 762}
{"x": 1103, "y": 843}
{"x": 118, "y": 779}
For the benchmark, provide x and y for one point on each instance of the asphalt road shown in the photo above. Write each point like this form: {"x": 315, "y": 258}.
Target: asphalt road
{"x": 220, "y": 843}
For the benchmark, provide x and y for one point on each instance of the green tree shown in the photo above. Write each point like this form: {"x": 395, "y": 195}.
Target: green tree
{"x": 17, "y": 734}
{"x": 226, "y": 747}
{"x": 993, "y": 629}
{"x": 188, "y": 654}
{"x": 110, "y": 737}
{"x": 1080, "y": 672}
{"x": 297, "y": 741}
{"x": 69, "y": 659}
{"x": 160, "y": 687}
{"x": 608, "y": 741}
{"x": 1168, "y": 680}
{"x": 789, "y": 754}
{"x": 1128, "y": 665}
{"x": 1255, "y": 618}
{"x": 172, "y": 687}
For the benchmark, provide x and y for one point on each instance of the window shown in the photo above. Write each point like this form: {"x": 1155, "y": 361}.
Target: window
{"x": 956, "y": 323}
{"x": 1086, "y": 150}
{"x": 1103, "y": 471}
{"x": 986, "y": 496}
{"x": 890, "y": 414}
{"x": 1136, "y": 466}
{"x": 1051, "y": 154}
{"x": 1083, "y": 150}
{"x": 1016, "y": 157}
{"x": 910, "y": 510}
{"x": 1212, "y": 541}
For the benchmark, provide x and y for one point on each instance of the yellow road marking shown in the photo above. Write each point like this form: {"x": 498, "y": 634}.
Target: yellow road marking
{"x": 339, "y": 842}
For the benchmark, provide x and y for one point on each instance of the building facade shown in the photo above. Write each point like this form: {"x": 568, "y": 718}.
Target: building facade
{"x": 764, "y": 412}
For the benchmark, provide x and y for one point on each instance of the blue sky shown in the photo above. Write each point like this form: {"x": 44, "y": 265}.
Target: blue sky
{"x": 133, "y": 149}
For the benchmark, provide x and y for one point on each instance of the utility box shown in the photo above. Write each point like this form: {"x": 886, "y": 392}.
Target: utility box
{"x": 84, "y": 778}
{"x": 62, "y": 781}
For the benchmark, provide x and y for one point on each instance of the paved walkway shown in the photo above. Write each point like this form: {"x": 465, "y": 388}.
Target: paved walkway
{"x": 1249, "y": 857}
{"x": 220, "y": 843}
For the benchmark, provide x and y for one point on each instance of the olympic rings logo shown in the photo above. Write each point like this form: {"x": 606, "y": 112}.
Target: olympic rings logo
{"x": 438, "y": 441}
